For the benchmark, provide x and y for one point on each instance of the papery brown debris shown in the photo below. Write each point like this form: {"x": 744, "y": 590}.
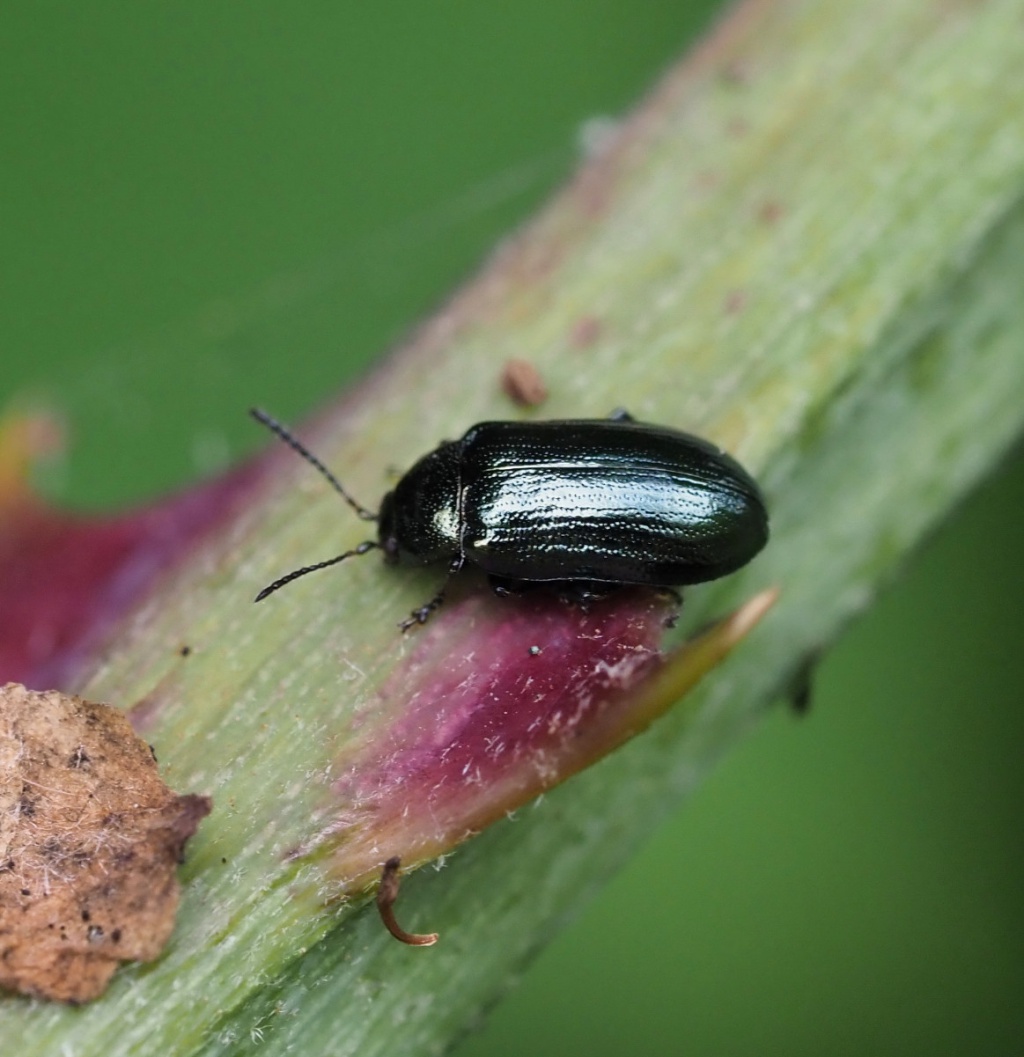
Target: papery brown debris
{"x": 90, "y": 838}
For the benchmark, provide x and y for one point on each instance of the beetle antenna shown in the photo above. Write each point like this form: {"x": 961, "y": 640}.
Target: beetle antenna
{"x": 367, "y": 545}
{"x": 296, "y": 445}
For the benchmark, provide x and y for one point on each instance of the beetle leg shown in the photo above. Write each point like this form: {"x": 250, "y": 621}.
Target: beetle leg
{"x": 672, "y": 592}
{"x": 677, "y": 597}
{"x": 504, "y": 587}
{"x": 422, "y": 615}
{"x": 581, "y": 593}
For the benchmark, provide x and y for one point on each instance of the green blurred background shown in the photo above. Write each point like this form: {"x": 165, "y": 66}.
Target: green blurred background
{"x": 209, "y": 205}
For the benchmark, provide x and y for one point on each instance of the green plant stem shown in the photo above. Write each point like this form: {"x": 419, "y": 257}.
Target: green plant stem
{"x": 806, "y": 245}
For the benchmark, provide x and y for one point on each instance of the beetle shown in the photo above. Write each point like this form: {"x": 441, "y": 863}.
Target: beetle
{"x": 585, "y": 504}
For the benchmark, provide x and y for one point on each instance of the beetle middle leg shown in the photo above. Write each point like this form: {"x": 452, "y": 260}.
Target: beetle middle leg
{"x": 582, "y": 593}
{"x": 506, "y": 587}
{"x": 422, "y": 614}
{"x": 579, "y": 593}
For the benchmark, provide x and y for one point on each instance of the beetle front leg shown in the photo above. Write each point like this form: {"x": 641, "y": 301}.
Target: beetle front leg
{"x": 422, "y": 615}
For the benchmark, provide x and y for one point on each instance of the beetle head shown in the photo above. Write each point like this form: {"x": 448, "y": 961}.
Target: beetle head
{"x": 386, "y": 532}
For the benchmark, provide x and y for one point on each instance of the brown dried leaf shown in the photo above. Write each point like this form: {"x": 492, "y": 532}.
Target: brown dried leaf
{"x": 89, "y": 840}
